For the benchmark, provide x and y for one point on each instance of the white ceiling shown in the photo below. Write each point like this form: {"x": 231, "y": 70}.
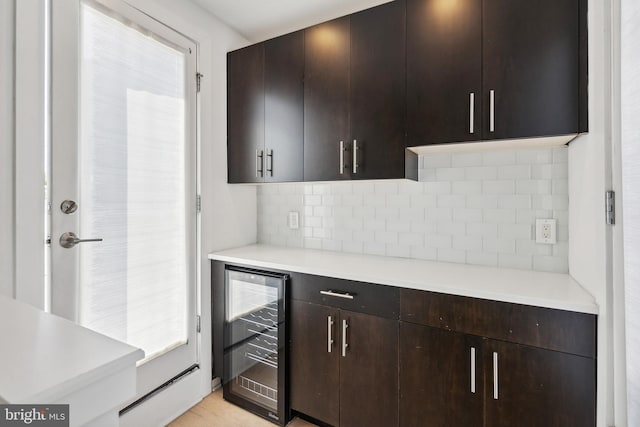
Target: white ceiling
{"x": 259, "y": 20}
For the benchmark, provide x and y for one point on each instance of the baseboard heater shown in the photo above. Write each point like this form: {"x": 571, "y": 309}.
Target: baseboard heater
{"x": 158, "y": 389}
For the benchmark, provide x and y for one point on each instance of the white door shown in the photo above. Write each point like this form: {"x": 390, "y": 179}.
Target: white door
{"x": 124, "y": 173}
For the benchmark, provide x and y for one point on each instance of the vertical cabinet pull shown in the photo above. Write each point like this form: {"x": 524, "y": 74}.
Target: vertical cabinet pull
{"x": 329, "y": 333}
{"x": 345, "y": 325}
{"x": 355, "y": 156}
{"x": 472, "y": 100}
{"x": 492, "y": 110}
{"x": 495, "y": 375}
{"x": 473, "y": 369}
{"x": 259, "y": 163}
{"x": 341, "y": 157}
{"x": 270, "y": 162}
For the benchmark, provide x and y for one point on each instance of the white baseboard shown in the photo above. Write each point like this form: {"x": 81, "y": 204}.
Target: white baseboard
{"x": 167, "y": 405}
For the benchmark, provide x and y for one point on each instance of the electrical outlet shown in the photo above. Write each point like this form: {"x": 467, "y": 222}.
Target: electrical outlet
{"x": 294, "y": 220}
{"x": 546, "y": 231}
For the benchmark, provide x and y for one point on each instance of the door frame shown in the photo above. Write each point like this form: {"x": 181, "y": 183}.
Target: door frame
{"x": 616, "y": 243}
{"x": 31, "y": 83}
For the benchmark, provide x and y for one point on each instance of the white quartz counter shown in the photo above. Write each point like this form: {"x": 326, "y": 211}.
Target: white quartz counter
{"x": 549, "y": 290}
{"x": 45, "y": 359}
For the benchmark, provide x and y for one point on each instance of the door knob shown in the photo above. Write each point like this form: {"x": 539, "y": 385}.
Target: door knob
{"x": 69, "y": 239}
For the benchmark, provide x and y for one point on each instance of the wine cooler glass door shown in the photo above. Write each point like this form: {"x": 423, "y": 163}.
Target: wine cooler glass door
{"x": 254, "y": 342}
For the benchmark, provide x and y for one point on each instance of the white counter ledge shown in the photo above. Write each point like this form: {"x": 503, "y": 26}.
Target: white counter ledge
{"x": 45, "y": 359}
{"x": 551, "y": 290}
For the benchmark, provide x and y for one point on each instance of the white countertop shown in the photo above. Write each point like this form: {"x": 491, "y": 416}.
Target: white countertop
{"x": 551, "y": 290}
{"x": 43, "y": 357}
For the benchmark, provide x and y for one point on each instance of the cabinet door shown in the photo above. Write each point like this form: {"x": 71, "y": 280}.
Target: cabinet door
{"x": 314, "y": 371}
{"x": 245, "y": 114}
{"x": 326, "y": 100}
{"x": 283, "y": 103}
{"x": 444, "y": 66}
{"x": 531, "y": 62}
{"x": 377, "y": 101}
{"x": 437, "y": 388}
{"x": 538, "y": 388}
{"x": 368, "y": 370}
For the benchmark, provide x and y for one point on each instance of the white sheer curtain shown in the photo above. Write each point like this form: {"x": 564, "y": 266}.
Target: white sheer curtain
{"x": 630, "y": 97}
{"x": 133, "y": 185}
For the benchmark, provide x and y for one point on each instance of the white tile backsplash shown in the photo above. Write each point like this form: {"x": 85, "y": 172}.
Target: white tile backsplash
{"x": 476, "y": 208}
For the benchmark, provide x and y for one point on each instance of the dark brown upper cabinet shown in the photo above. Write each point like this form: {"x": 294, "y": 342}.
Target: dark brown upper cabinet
{"x": 531, "y": 66}
{"x": 377, "y": 102}
{"x": 326, "y": 101}
{"x": 444, "y": 71}
{"x": 343, "y": 99}
{"x": 265, "y": 104}
{"x": 283, "y": 107}
{"x": 355, "y": 96}
{"x": 495, "y": 69}
{"x": 245, "y": 114}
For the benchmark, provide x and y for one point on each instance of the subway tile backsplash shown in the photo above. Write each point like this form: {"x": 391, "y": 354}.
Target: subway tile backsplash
{"x": 474, "y": 208}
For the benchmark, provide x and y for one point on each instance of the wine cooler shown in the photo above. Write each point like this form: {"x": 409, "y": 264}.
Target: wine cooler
{"x": 255, "y": 337}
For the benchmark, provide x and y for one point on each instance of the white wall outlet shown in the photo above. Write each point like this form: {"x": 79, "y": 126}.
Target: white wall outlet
{"x": 546, "y": 231}
{"x": 294, "y": 220}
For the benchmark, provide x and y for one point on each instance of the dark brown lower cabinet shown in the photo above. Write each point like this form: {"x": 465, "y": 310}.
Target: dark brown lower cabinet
{"x": 344, "y": 366}
{"x": 534, "y": 367}
{"x": 440, "y": 378}
{"x": 314, "y": 372}
{"x": 514, "y": 384}
{"x": 537, "y": 387}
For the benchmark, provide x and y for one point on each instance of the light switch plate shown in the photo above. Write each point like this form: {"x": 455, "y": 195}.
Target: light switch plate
{"x": 294, "y": 220}
{"x": 546, "y": 231}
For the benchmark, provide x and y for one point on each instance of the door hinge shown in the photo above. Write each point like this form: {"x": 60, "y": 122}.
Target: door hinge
{"x": 199, "y": 77}
{"x": 198, "y": 203}
{"x": 610, "y": 207}
{"x": 198, "y": 324}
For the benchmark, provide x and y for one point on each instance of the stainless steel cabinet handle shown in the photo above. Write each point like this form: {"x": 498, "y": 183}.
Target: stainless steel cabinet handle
{"x": 341, "y": 157}
{"x": 473, "y": 369}
{"x": 472, "y": 101}
{"x": 270, "y": 162}
{"x": 259, "y": 164}
{"x": 329, "y": 333}
{"x": 70, "y": 239}
{"x": 355, "y": 156}
{"x": 331, "y": 293}
{"x": 492, "y": 110}
{"x": 495, "y": 375}
{"x": 345, "y": 325}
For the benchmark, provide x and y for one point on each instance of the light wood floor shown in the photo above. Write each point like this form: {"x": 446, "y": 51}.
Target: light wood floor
{"x": 213, "y": 411}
